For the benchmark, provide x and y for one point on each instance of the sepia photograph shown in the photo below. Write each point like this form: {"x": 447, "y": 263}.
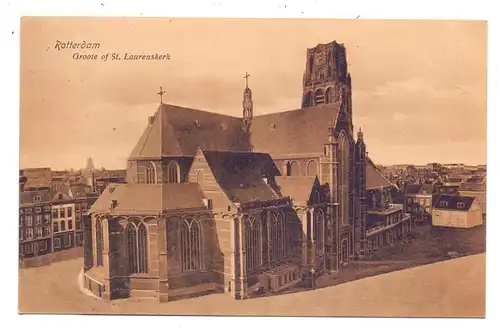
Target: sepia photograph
{"x": 255, "y": 167}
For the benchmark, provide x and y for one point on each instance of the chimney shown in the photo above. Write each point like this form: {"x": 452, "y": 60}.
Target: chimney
{"x": 151, "y": 119}
{"x": 266, "y": 179}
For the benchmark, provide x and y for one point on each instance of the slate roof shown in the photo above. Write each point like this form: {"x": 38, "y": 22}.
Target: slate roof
{"x": 298, "y": 188}
{"x": 413, "y": 189}
{"x": 179, "y": 131}
{"x": 142, "y": 199}
{"x": 375, "y": 179}
{"x": 28, "y": 197}
{"x": 240, "y": 174}
{"x": 301, "y": 131}
{"x": 452, "y": 201}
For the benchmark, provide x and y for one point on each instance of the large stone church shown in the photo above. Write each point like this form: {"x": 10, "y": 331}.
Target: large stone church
{"x": 238, "y": 204}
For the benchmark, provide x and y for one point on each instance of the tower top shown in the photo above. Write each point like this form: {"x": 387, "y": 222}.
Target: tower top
{"x": 161, "y": 93}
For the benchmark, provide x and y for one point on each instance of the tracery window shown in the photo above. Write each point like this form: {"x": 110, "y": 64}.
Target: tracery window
{"x": 136, "y": 239}
{"x": 312, "y": 168}
{"x": 173, "y": 172}
{"x": 99, "y": 243}
{"x": 278, "y": 241}
{"x": 319, "y": 221}
{"x": 253, "y": 243}
{"x": 150, "y": 173}
{"x": 190, "y": 242}
{"x": 293, "y": 168}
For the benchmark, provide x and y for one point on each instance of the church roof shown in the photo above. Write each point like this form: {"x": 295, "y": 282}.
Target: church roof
{"x": 240, "y": 174}
{"x": 298, "y": 188}
{"x": 302, "y": 131}
{"x": 375, "y": 179}
{"x": 140, "y": 199}
{"x": 179, "y": 131}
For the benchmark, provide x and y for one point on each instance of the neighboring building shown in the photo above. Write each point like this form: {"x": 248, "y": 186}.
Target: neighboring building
{"x": 103, "y": 178}
{"x": 419, "y": 200}
{"x": 385, "y": 222}
{"x": 69, "y": 205}
{"x": 35, "y": 236}
{"x": 475, "y": 187}
{"x": 457, "y": 211}
{"x": 37, "y": 179}
{"x": 215, "y": 202}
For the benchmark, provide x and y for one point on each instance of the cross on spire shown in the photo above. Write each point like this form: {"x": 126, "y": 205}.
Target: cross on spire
{"x": 161, "y": 93}
{"x": 247, "y": 75}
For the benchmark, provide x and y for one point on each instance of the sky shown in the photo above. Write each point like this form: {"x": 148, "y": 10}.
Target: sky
{"x": 419, "y": 87}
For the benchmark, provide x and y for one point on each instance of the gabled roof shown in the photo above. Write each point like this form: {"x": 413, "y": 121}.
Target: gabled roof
{"x": 179, "y": 131}
{"x": 140, "y": 199}
{"x": 375, "y": 179}
{"x": 240, "y": 174}
{"x": 451, "y": 202}
{"x": 298, "y": 188}
{"x": 413, "y": 189}
{"x": 295, "y": 132}
{"x": 28, "y": 197}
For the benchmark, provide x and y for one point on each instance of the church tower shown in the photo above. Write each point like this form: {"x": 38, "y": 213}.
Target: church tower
{"x": 247, "y": 103}
{"x": 326, "y": 77}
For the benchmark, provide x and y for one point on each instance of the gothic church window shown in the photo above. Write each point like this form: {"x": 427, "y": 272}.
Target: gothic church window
{"x": 278, "y": 243}
{"x": 330, "y": 98}
{"x": 200, "y": 178}
{"x": 173, "y": 172}
{"x": 319, "y": 96}
{"x": 312, "y": 168}
{"x": 142, "y": 248}
{"x": 150, "y": 173}
{"x": 99, "y": 243}
{"x": 293, "y": 168}
{"x": 131, "y": 243}
{"x": 190, "y": 242}
{"x": 319, "y": 221}
{"x": 253, "y": 243}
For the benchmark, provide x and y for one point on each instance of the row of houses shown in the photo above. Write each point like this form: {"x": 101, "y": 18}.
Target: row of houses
{"x": 462, "y": 205}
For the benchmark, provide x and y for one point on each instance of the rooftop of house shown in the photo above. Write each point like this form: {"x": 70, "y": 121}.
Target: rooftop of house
{"x": 454, "y": 202}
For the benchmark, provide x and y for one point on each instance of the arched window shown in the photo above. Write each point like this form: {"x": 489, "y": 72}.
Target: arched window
{"x": 136, "y": 239}
{"x": 344, "y": 179}
{"x": 131, "y": 243}
{"x": 63, "y": 226}
{"x": 190, "y": 241}
{"x": 253, "y": 243}
{"x": 142, "y": 248}
{"x": 56, "y": 227}
{"x": 307, "y": 100}
{"x": 319, "y": 96}
{"x": 200, "y": 178}
{"x": 319, "y": 221}
{"x": 278, "y": 243}
{"x": 330, "y": 98}
{"x": 99, "y": 236}
{"x": 312, "y": 168}
{"x": 173, "y": 172}
{"x": 293, "y": 168}
{"x": 151, "y": 173}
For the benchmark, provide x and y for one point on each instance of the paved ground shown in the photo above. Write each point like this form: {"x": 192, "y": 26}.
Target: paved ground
{"x": 454, "y": 288}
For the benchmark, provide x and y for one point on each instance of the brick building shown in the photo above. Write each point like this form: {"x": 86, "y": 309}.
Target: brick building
{"x": 35, "y": 236}
{"x": 220, "y": 203}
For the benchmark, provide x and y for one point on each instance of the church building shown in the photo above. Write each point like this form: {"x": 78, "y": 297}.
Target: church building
{"x": 240, "y": 204}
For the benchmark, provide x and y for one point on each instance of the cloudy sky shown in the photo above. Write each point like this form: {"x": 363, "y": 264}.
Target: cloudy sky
{"x": 419, "y": 87}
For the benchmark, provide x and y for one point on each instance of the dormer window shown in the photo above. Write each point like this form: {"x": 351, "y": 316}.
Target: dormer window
{"x": 37, "y": 199}
{"x": 223, "y": 126}
{"x": 460, "y": 205}
{"x": 197, "y": 123}
{"x": 443, "y": 204}
{"x": 273, "y": 126}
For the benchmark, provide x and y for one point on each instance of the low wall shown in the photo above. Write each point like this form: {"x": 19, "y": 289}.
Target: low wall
{"x": 48, "y": 259}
